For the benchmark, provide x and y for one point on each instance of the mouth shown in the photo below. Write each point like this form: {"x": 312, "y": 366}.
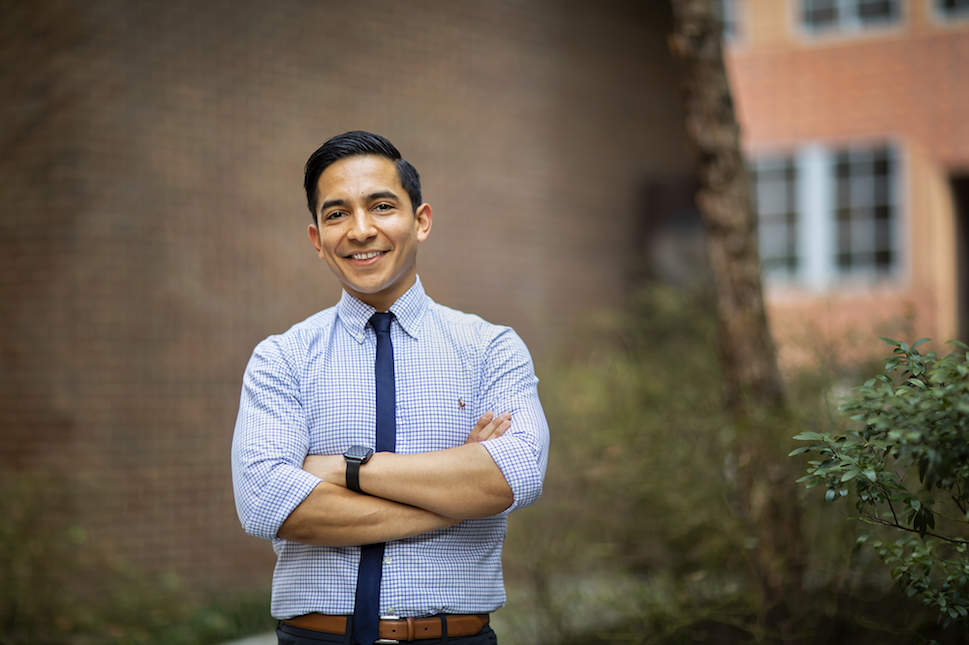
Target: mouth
{"x": 365, "y": 256}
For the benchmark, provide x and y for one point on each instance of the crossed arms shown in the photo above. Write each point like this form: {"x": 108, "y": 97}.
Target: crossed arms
{"x": 406, "y": 494}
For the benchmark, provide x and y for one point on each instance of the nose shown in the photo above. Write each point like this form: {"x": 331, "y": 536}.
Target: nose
{"x": 361, "y": 226}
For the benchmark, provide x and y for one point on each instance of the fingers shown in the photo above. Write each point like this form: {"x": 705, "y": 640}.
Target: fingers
{"x": 489, "y": 426}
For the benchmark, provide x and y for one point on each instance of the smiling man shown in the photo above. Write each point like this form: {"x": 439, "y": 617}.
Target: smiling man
{"x": 381, "y": 443}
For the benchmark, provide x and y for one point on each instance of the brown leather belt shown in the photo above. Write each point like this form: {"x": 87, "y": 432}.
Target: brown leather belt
{"x": 401, "y": 629}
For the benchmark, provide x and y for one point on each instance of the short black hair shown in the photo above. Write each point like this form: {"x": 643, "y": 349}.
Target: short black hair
{"x": 353, "y": 144}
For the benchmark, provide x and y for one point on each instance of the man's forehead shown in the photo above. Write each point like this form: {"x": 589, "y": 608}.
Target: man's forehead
{"x": 360, "y": 169}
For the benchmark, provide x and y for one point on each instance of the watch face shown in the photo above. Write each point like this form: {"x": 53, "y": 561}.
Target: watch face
{"x": 359, "y": 453}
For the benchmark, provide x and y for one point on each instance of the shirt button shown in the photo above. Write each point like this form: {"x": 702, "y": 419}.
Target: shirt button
{"x": 388, "y": 560}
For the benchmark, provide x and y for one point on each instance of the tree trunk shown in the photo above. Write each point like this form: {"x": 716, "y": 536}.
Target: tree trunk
{"x": 746, "y": 348}
{"x": 764, "y": 497}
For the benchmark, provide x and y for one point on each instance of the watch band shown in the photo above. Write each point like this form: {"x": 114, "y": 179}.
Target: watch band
{"x": 353, "y": 475}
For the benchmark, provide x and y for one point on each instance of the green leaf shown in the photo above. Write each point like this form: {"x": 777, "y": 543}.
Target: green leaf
{"x": 809, "y": 436}
{"x": 920, "y": 341}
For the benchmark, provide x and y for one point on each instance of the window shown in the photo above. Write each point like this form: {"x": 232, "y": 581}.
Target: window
{"x": 828, "y": 214}
{"x": 952, "y": 8}
{"x": 845, "y": 15}
{"x": 775, "y": 199}
{"x": 865, "y": 209}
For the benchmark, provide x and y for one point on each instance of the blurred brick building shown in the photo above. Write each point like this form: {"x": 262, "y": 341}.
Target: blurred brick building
{"x": 855, "y": 116}
{"x": 153, "y": 230}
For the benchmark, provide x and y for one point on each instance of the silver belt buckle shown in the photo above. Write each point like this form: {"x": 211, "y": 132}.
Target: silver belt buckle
{"x": 387, "y": 641}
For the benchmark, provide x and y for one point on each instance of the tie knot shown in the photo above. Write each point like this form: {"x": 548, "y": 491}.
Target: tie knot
{"x": 381, "y": 322}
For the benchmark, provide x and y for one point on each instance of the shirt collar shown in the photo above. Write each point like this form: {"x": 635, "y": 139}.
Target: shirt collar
{"x": 408, "y": 311}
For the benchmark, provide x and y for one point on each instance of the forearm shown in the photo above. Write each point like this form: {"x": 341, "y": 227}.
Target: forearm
{"x": 462, "y": 482}
{"x": 334, "y": 516}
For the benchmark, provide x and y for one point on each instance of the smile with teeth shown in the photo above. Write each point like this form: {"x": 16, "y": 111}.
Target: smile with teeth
{"x": 366, "y": 256}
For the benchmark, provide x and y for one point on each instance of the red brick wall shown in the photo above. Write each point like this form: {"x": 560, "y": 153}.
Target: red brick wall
{"x": 908, "y": 85}
{"x": 153, "y": 226}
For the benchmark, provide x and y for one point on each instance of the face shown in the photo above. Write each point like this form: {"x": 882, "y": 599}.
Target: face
{"x": 367, "y": 229}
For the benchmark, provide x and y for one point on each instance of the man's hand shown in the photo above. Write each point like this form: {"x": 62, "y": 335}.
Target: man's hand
{"x": 489, "y": 426}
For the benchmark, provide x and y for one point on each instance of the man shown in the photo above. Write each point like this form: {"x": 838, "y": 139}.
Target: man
{"x": 414, "y": 531}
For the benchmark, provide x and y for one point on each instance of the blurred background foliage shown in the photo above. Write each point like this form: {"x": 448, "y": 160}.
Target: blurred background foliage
{"x": 57, "y": 587}
{"x": 638, "y": 539}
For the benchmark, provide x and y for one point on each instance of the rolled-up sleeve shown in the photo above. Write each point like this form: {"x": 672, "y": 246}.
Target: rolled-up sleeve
{"x": 509, "y": 384}
{"x": 270, "y": 442}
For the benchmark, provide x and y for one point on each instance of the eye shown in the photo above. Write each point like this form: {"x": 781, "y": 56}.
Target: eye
{"x": 383, "y": 207}
{"x": 333, "y": 215}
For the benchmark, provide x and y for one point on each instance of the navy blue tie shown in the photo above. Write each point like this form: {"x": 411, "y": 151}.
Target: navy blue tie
{"x": 366, "y": 605}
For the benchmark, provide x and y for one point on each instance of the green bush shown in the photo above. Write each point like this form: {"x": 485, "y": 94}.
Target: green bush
{"x": 907, "y": 468}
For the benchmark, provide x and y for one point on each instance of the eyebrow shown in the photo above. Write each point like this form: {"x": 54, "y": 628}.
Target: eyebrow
{"x": 382, "y": 194}
{"x": 332, "y": 202}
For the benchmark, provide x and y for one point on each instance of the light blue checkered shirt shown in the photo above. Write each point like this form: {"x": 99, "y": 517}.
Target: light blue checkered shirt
{"x": 310, "y": 390}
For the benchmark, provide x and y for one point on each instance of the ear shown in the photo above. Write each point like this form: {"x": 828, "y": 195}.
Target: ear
{"x": 314, "y": 233}
{"x": 425, "y": 217}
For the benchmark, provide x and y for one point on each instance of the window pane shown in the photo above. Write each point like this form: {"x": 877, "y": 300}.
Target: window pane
{"x": 883, "y": 191}
{"x": 819, "y": 14}
{"x": 772, "y": 198}
{"x": 844, "y": 240}
{"x": 773, "y": 240}
{"x": 862, "y": 190}
{"x": 882, "y": 236}
{"x": 873, "y": 10}
{"x": 862, "y": 234}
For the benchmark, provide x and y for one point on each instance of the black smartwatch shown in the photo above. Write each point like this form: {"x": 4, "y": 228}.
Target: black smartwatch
{"x": 355, "y": 457}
